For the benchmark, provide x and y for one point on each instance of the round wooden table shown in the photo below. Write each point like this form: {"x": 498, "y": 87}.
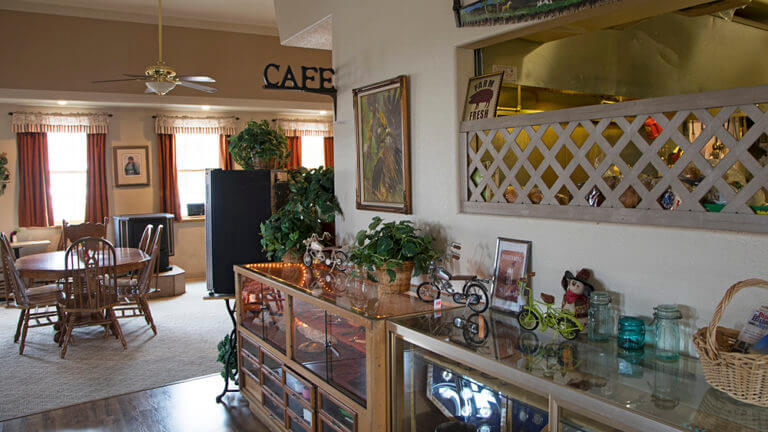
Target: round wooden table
{"x": 50, "y": 265}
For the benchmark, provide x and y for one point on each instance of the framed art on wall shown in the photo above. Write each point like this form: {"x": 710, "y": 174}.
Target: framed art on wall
{"x": 482, "y": 96}
{"x": 512, "y": 263}
{"x": 131, "y": 167}
{"x": 383, "y": 146}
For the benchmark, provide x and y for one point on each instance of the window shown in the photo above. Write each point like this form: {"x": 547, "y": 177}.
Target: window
{"x": 194, "y": 153}
{"x": 312, "y": 151}
{"x": 68, "y": 165}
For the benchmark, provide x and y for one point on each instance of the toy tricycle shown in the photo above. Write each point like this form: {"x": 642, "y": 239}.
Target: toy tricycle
{"x": 534, "y": 312}
{"x": 473, "y": 293}
{"x": 333, "y": 257}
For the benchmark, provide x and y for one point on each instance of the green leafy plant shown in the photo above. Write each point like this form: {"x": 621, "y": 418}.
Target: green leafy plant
{"x": 312, "y": 202}
{"x": 259, "y": 141}
{"x": 387, "y": 246}
{"x": 5, "y": 173}
{"x": 224, "y": 351}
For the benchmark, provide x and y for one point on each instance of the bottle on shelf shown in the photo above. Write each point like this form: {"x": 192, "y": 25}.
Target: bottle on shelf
{"x": 754, "y": 330}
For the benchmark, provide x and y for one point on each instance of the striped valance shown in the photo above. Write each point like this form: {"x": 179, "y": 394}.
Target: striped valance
{"x": 165, "y": 124}
{"x": 306, "y": 127}
{"x": 58, "y": 122}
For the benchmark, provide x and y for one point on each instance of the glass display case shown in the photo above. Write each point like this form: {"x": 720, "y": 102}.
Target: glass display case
{"x": 474, "y": 367}
{"x": 262, "y": 311}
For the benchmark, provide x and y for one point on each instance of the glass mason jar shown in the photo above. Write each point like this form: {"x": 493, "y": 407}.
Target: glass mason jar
{"x": 667, "y": 319}
{"x": 631, "y": 334}
{"x": 599, "y": 317}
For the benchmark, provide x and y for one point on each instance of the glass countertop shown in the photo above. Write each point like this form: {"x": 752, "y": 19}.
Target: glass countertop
{"x": 354, "y": 294}
{"x": 674, "y": 393}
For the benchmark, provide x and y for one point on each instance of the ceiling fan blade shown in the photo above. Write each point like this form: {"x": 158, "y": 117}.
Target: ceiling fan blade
{"x": 114, "y": 80}
{"x": 197, "y": 86}
{"x": 136, "y": 76}
{"x": 196, "y": 78}
{"x": 148, "y": 90}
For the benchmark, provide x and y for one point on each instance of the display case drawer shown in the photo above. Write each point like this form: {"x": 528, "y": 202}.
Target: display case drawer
{"x": 249, "y": 384}
{"x": 271, "y": 383}
{"x": 249, "y": 347}
{"x": 273, "y": 407}
{"x": 329, "y": 425}
{"x": 300, "y": 409}
{"x": 296, "y": 425}
{"x": 301, "y": 387}
{"x": 339, "y": 414}
{"x": 247, "y": 365}
{"x": 271, "y": 364}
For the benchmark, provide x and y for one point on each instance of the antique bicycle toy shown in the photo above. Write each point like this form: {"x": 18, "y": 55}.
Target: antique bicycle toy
{"x": 317, "y": 253}
{"x": 537, "y": 312}
{"x": 473, "y": 293}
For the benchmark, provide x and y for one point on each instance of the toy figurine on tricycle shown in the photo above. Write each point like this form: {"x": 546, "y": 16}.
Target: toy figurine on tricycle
{"x": 316, "y": 253}
{"x": 535, "y": 312}
{"x": 473, "y": 293}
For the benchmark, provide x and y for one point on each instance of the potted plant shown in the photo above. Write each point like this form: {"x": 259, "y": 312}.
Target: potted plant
{"x": 392, "y": 252}
{"x": 259, "y": 146}
{"x": 5, "y": 173}
{"x": 312, "y": 204}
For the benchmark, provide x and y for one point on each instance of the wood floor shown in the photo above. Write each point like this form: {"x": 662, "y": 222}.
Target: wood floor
{"x": 186, "y": 406}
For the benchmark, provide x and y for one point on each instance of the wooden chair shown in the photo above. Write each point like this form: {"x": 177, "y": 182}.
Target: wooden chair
{"x": 146, "y": 237}
{"x": 134, "y": 295}
{"x": 72, "y": 233}
{"x": 90, "y": 289}
{"x": 5, "y": 287}
{"x": 38, "y": 304}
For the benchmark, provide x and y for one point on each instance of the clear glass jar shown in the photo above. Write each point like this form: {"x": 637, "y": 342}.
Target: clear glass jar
{"x": 667, "y": 319}
{"x": 631, "y": 334}
{"x": 599, "y": 317}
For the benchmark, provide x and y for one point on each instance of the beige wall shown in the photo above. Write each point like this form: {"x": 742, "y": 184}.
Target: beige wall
{"x": 643, "y": 265}
{"x": 50, "y": 52}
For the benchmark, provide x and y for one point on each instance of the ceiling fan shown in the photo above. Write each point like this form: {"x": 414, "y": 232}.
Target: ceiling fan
{"x": 161, "y": 78}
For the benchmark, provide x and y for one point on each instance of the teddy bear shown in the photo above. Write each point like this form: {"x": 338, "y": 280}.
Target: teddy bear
{"x": 577, "y": 290}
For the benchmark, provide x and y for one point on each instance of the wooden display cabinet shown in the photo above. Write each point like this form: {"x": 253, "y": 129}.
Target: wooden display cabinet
{"x": 312, "y": 347}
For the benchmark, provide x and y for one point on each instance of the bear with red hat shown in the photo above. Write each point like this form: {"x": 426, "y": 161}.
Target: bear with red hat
{"x": 577, "y": 290}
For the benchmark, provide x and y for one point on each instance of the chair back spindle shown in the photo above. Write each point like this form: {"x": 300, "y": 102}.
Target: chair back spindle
{"x": 90, "y": 267}
{"x": 146, "y": 236}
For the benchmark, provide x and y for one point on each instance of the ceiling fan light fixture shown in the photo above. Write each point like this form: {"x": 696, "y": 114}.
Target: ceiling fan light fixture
{"x": 160, "y": 87}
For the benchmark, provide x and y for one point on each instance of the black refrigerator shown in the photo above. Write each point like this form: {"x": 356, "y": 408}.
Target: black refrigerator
{"x": 236, "y": 203}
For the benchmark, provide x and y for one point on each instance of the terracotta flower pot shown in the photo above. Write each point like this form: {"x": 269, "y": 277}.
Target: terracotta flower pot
{"x": 402, "y": 282}
{"x": 259, "y": 163}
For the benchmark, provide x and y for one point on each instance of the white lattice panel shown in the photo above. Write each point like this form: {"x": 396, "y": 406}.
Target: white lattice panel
{"x": 695, "y": 160}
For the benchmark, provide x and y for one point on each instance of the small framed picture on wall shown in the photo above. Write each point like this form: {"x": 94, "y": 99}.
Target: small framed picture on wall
{"x": 482, "y": 96}
{"x": 512, "y": 263}
{"x": 131, "y": 167}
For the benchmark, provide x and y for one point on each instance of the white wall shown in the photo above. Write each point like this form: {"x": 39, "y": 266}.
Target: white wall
{"x": 643, "y": 265}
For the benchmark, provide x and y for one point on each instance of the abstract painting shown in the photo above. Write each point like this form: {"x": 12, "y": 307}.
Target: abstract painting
{"x": 492, "y": 12}
{"x": 383, "y": 147}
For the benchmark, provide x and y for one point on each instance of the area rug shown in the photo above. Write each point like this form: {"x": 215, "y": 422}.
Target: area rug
{"x": 185, "y": 347}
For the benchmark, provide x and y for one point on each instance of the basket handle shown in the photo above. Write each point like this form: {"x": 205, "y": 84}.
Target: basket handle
{"x": 720, "y": 309}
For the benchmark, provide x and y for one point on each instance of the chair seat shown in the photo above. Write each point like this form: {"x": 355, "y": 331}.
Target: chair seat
{"x": 43, "y": 295}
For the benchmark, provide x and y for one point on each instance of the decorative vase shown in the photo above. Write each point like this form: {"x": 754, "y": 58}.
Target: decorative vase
{"x": 402, "y": 282}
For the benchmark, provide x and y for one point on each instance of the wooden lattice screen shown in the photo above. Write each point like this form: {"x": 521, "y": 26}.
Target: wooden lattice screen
{"x": 695, "y": 160}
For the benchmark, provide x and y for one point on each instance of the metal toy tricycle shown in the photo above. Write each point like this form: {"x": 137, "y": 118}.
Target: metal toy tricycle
{"x": 473, "y": 293}
{"x": 535, "y": 312}
{"x": 316, "y": 253}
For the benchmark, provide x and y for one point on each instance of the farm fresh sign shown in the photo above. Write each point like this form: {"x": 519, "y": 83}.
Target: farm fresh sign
{"x": 482, "y": 96}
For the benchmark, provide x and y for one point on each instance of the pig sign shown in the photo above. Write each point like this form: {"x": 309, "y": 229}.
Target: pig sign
{"x": 482, "y": 96}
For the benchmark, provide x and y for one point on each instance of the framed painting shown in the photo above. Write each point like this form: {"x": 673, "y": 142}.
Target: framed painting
{"x": 131, "y": 167}
{"x": 482, "y": 96}
{"x": 512, "y": 263}
{"x": 494, "y": 12}
{"x": 383, "y": 146}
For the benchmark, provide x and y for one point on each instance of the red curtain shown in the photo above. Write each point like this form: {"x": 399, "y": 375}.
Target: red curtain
{"x": 294, "y": 145}
{"x": 225, "y": 158}
{"x": 169, "y": 181}
{"x": 35, "y": 199}
{"x": 328, "y": 149}
{"x": 96, "y": 201}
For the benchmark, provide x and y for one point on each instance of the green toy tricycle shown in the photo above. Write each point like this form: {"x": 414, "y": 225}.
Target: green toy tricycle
{"x": 534, "y": 312}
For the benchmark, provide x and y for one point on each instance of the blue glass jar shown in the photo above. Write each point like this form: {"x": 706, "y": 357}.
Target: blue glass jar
{"x": 599, "y": 317}
{"x": 631, "y": 334}
{"x": 667, "y": 320}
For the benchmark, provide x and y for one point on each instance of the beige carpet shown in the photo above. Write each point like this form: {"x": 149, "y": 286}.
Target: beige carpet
{"x": 185, "y": 347}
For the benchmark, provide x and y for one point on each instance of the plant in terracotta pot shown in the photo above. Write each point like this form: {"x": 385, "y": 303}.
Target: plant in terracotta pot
{"x": 259, "y": 146}
{"x": 312, "y": 203}
{"x": 390, "y": 253}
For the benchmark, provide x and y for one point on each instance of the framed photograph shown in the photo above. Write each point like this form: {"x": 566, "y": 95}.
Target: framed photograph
{"x": 512, "y": 263}
{"x": 131, "y": 166}
{"x": 482, "y": 96}
{"x": 383, "y": 146}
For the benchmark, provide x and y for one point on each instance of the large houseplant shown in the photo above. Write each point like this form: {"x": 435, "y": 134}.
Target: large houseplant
{"x": 312, "y": 202}
{"x": 390, "y": 253}
{"x": 259, "y": 146}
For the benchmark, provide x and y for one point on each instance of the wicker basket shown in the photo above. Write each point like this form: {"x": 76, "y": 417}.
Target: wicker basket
{"x": 743, "y": 376}
{"x": 402, "y": 282}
